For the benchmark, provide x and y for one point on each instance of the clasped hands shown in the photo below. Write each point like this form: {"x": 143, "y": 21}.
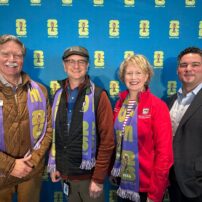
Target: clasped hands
{"x": 22, "y": 167}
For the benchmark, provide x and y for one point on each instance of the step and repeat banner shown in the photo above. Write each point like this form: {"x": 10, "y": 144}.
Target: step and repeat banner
{"x": 111, "y": 30}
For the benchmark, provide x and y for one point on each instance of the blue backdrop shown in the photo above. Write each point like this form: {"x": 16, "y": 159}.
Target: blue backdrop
{"x": 110, "y": 30}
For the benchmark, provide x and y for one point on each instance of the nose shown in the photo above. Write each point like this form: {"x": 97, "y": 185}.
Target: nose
{"x": 76, "y": 64}
{"x": 189, "y": 67}
{"x": 134, "y": 76}
{"x": 11, "y": 57}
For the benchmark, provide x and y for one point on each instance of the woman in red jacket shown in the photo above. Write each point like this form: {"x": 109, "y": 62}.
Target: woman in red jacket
{"x": 143, "y": 136}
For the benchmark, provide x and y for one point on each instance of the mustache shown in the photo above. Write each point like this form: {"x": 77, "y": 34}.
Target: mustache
{"x": 12, "y": 64}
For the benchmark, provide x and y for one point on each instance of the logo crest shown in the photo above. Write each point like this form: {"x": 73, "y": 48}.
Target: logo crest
{"x": 38, "y": 58}
{"x": 99, "y": 60}
{"x": 158, "y": 59}
{"x": 83, "y": 28}
{"x": 21, "y": 27}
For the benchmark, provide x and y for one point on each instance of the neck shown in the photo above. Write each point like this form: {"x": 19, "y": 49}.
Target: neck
{"x": 75, "y": 83}
{"x": 13, "y": 80}
{"x": 133, "y": 96}
{"x": 186, "y": 88}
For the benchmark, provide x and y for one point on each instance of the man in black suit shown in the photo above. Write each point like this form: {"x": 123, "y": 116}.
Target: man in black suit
{"x": 186, "y": 116}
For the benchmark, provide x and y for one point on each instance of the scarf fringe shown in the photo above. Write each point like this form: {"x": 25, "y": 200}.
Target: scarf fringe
{"x": 87, "y": 164}
{"x": 127, "y": 194}
{"x": 116, "y": 172}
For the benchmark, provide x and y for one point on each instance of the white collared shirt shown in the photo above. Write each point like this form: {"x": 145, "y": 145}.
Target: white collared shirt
{"x": 181, "y": 105}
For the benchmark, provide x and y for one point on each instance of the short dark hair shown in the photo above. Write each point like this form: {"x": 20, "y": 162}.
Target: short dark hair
{"x": 192, "y": 49}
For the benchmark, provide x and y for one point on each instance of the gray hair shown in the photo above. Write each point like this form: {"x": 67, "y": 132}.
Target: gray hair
{"x": 7, "y": 37}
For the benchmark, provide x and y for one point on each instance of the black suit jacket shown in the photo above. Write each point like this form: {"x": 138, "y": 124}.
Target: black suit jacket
{"x": 187, "y": 146}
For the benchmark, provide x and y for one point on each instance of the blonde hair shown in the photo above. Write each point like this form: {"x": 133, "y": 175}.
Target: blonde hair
{"x": 7, "y": 37}
{"x": 139, "y": 60}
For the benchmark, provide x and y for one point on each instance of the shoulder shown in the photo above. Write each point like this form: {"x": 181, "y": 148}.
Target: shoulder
{"x": 98, "y": 90}
{"x": 100, "y": 95}
{"x": 153, "y": 101}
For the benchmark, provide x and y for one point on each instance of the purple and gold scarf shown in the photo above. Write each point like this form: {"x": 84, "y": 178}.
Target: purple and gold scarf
{"x": 36, "y": 103}
{"x": 126, "y": 164}
{"x": 89, "y": 131}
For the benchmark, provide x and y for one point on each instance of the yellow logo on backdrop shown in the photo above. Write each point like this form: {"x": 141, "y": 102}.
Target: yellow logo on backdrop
{"x": 158, "y": 59}
{"x": 38, "y": 58}
{"x": 52, "y": 25}
{"x": 171, "y": 88}
{"x": 129, "y": 2}
{"x": 174, "y": 29}
{"x": 58, "y": 196}
{"x": 114, "y": 28}
{"x": 114, "y": 88}
{"x": 54, "y": 86}
{"x": 35, "y": 2}
{"x": 160, "y": 3}
{"x": 83, "y": 28}
{"x": 144, "y": 28}
{"x": 98, "y": 2}
{"x": 21, "y": 27}
{"x": 4, "y": 2}
{"x": 99, "y": 59}
{"x": 128, "y": 54}
{"x": 67, "y": 2}
{"x": 200, "y": 29}
{"x": 190, "y": 3}
{"x": 112, "y": 195}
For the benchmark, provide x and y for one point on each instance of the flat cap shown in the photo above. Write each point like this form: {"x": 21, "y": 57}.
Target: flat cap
{"x": 75, "y": 50}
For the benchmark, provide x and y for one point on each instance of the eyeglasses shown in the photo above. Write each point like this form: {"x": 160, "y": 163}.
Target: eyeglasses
{"x": 71, "y": 62}
{"x": 193, "y": 64}
{"x": 16, "y": 56}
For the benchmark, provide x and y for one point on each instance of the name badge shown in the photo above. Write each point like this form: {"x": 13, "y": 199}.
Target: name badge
{"x": 66, "y": 188}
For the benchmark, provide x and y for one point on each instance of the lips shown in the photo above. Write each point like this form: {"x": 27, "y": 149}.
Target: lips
{"x": 188, "y": 75}
{"x": 12, "y": 65}
{"x": 133, "y": 82}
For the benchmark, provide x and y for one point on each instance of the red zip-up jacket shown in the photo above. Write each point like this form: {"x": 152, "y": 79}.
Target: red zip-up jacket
{"x": 154, "y": 143}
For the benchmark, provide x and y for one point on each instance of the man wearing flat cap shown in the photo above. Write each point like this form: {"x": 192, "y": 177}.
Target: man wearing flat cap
{"x": 83, "y": 139}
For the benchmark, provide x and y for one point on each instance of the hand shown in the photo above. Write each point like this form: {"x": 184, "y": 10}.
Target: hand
{"x": 95, "y": 189}
{"x": 22, "y": 167}
{"x": 55, "y": 176}
{"x": 149, "y": 200}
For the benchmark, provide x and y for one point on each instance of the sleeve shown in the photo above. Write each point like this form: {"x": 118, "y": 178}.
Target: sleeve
{"x": 163, "y": 153}
{"x": 38, "y": 155}
{"x": 106, "y": 138}
{"x": 7, "y": 163}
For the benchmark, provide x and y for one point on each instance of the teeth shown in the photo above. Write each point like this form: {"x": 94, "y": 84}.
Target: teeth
{"x": 134, "y": 83}
{"x": 12, "y": 64}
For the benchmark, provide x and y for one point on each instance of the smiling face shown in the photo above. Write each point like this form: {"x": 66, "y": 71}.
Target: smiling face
{"x": 76, "y": 67}
{"x": 135, "y": 78}
{"x": 11, "y": 60}
{"x": 136, "y": 72}
{"x": 190, "y": 71}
